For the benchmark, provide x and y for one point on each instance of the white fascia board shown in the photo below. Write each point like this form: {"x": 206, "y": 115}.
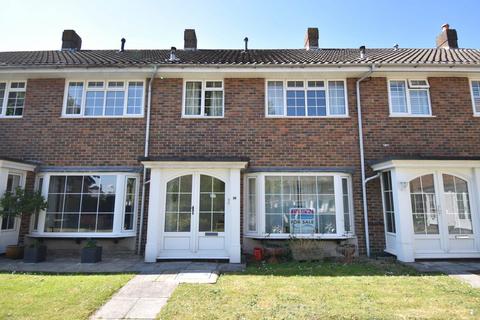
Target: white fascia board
{"x": 390, "y": 164}
{"x": 17, "y": 165}
{"x": 195, "y": 164}
{"x": 195, "y": 68}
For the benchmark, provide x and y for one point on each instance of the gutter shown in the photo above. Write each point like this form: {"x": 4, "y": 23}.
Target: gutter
{"x": 146, "y": 151}
{"x": 362, "y": 158}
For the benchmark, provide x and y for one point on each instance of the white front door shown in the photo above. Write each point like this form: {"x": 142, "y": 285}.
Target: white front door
{"x": 194, "y": 217}
{"x": 443, "y": 219}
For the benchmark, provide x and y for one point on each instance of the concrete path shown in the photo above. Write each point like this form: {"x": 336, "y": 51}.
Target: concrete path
{"x": 466, "y": 271}
{"x": 144, "y": 296}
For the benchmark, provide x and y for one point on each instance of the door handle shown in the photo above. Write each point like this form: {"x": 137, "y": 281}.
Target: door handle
{"x": 193, "y": 210}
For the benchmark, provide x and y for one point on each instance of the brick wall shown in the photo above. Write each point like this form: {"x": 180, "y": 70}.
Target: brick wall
{"x": 42, "y": 135}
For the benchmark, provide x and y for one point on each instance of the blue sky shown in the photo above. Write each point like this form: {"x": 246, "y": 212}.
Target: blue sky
{"x": 37, "y": 25}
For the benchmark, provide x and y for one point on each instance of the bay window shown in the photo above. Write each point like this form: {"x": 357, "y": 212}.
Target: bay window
{"x": 409, "y": 98}
{"x": 306, "y": 98}
{"x": 289, "y": 204}
{"x": 104, "y": 98}
{"x": 99, "y": 204}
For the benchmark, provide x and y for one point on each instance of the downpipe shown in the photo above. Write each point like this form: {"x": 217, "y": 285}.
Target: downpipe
{"x": 362, "y": 159}
{"x": 146, "y": 151}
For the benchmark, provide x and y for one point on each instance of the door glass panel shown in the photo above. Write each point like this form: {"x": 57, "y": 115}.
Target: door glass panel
{"x": 424, "y": 208}
{"x": 178, "y": 204}
{"x": 457, "y": 205}
{"x": 212, "y": 204}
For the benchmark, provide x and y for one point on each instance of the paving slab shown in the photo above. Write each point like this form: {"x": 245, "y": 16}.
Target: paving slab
{"x": 116, "y": 308}
{"x": 459, "y": 270}
{"x": 146, "y": 308}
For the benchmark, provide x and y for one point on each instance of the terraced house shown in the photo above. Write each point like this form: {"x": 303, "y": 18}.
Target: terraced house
{"x": 205, "y": 154}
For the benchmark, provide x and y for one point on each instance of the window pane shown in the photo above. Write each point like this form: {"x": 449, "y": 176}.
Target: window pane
{"x": 214, "y": 103}
{"x": 316, "y": 103}
{"x": 388, "y": 207}
{"x": 105, "y": 222}
{"x": 275, "y": 98}
{"x": 114, "y": 103}
{"x": 301, "y": 204}
{"x": 419, "y": 101}
{"x": 336, "y": 97}
{"x": 130, "y": 195}
{"x": 15, "y": 103}
{"x": 295, "y": 102}
{"x": 74, "y": 98}
{"x": 135, "y": 98}
{"x": 398, "y": 96}
{"x": 475, "y": 92}
{"x": 252, "y": 204}
{"x": 346, "y": 205}
{"x": 193, "y": 97}
{"x": 94, "y": 103}
{"x": 2, "y": 93}
{"x": 423, "y": 203}
{"x": 178, "y": 204}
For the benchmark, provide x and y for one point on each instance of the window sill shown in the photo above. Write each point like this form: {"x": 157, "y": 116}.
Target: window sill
{"x": 11, "y": 117}
{"x": 283, "y": 236}
{"x": 202, "y": 117}
{"x": 411, "y": 116}
{"x": 100, "y": 117}
{"x": 77, "y": 235}
{"x": 307, "y": 117}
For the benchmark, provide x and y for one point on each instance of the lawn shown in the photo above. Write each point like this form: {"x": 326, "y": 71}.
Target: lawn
{"x": 370, "y": 290}
{"x": 29, "y": 296}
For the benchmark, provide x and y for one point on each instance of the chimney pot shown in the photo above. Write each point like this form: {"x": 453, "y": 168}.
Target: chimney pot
{"x": 71, "y": 40}
{"x": 311, "y": 39}
{"x": 189, "y": 39}
{"x": 447, "y": 39}
{"x": 122, "y": 46}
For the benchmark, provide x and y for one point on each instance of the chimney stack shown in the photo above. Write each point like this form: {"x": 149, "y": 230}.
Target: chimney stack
{"x": 190, "y": 39}
{"x": 447, "y": 39}
{"x": 311, "y": 39}
{"x": 71, "y": 41}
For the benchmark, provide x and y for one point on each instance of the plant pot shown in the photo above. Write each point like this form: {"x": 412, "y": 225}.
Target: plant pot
{"x": 14, "y": 251}
{"x": 91, "y": 255}
{"x": 35, "y": 254}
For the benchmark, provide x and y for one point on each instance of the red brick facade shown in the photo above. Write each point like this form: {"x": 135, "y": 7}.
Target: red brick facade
{"x": 43, "y": 135}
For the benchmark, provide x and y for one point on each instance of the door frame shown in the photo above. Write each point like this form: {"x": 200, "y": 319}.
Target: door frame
{"x": 164, "y": 170}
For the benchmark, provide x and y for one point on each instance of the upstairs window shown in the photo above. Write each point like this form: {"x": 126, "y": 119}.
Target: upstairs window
{"x": 203, "y": 99}
{"x": 409, "y": 98}
{"x": 12, "y": 98}
{"x": 476, "y": 97}
{"x": 312, "y": 98}
{"x": 104, "y": 98}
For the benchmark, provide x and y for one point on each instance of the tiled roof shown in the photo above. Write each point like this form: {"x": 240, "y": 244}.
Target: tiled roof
{"x": 130, "y": 58}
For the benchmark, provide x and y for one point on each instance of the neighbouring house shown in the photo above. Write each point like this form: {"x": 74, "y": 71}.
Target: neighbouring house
{"x": 206, "y": 154}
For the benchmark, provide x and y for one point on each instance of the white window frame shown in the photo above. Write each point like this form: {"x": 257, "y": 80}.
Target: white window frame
{"x": 135, "y": 203}
{"x": 202, "y": 99}
{"x": 408, "y": 88}
{"x": 118, "y": 216}
{"x": 104, "y": 89}
{"x": 339, "y": 212}
{"x": 475, "y": 112}
{"x": 305, "y": 88}
{"x": 3, "y": 107}
{"x": 245, "y": 203}
{"x": 382, "y": 188}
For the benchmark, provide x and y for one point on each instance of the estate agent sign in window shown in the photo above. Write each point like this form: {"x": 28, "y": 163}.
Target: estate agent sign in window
{"x": 289, "y": 204}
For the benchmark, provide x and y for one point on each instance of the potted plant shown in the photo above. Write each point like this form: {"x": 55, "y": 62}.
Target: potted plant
{"x": 91, "y": 253}
{"x": 35, "y": 252}
{"x": 17, "y": 203}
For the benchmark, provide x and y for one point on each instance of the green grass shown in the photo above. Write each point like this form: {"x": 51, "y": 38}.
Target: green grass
{"x": 30, "y": 296}
{"x": 326, "y": 291}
